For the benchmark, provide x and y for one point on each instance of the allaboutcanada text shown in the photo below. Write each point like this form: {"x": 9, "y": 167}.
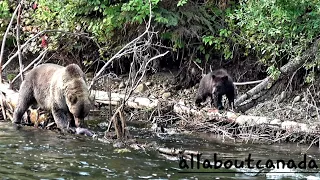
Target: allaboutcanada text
{"x": 198, "y": 163}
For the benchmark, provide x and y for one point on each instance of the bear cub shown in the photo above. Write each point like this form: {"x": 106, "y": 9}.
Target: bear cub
{"x": 216, "y": 84}
{"x": 61, "y": 90}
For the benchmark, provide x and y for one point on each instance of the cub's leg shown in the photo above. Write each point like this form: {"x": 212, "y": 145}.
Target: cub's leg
{"x": 25, "y": 100}
{"x": 230, "y": 98}
{"x": 212, "y": 98}
{"x": 219, "y": 102}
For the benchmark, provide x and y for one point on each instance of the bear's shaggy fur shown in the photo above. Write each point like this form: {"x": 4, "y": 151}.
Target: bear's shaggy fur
{"x": 216, "y": 84}
{"x": 61, "y": 90}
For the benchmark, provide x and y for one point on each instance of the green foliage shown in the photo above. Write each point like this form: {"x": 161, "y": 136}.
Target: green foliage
{"x": 4, "y": 10}
{"x": 4, "y": 16}
{"x": 273, "y": 72}
{"x": 276, "y": 30}
{"x": 311, "y": 67}
{"x": 220, "y": 42}
{"x": 11, "y": 76}
{"x": 139, "y": 9}
{"x": 98, "y": 17}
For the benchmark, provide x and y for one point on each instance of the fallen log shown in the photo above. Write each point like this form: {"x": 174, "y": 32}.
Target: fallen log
{"x": 11, "y": 99}
{"x": 230, "y": 117}
{"x": 116, "y": 100}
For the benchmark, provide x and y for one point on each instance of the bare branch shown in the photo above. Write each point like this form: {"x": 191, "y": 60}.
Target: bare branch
{"x": 2, "y": 51}
{"x": 41, "y": 33}
{"x": 4, "y": 42}
{"x": 38, "y": 59}
{"x": 120, "y": 53}
{"x": 247, "y": 83}
{"x": 143, "y": 73}
{"x": 18, "y": 39}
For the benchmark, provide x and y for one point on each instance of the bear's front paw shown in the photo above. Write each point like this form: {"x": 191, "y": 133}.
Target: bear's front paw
{"x": 17, "y": 126}
{"x": 16, "y": 122}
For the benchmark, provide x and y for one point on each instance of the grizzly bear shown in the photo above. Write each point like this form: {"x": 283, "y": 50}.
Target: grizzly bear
{"x": 216, "y": 84}
{"x": 61, "y": 90}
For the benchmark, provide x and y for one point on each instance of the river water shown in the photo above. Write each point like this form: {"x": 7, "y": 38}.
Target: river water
{"x": 31, "y": 153}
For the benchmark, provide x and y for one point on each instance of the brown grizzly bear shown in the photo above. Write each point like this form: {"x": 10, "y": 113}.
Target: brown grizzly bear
{"x": 216, "y": 84}
{"x": 61, "y": 90}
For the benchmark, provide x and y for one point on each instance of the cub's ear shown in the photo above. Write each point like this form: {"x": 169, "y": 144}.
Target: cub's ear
{"x": 72, "y": 99}
{"x": 224, "y": 78}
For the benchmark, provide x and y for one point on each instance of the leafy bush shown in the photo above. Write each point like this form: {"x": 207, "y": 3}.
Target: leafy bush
{"x": 4, "y": 16}
{"x": 275, "y": 30}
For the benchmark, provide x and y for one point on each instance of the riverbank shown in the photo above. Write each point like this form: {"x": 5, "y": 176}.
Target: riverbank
{"x": 289, "y": 117}
{"x": 284, "y": 118}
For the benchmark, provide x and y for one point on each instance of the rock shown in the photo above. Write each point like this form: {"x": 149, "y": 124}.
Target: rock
{"x": 103, "y": 125}
{"x": 296, "y": 99}
{"x": 141, "y": 88}
{"x": 162, "y": 91}
{"x": 143, "y": 101}
{"x": 166, "y": 95}
{"x": 186, "y": 91}
{"x": 148, "y": 83}
{"x": 276, "y": 121}
{"x": 282, "y": 96}
{"x": 157, "y": 128}
{"x": 181, "y": 101}
{"x": 118, "y": 144}
{"x": 122, "y": 85}
{"x": 165, "y": 84}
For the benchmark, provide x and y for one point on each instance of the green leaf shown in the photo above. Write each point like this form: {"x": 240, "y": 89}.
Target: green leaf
{"x": 182, "y": 2}
{"x": 207, "y": 56}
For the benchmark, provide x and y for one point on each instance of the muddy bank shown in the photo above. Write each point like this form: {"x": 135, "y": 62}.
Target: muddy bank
{"x": 287, "y": 106}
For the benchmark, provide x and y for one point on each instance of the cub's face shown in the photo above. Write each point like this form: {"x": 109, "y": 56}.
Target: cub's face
{"x": 79, "y": 106}
{"x": 218, "y": 84}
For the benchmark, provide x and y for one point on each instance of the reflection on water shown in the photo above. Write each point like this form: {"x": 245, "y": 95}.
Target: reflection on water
{"x": 32, "y": 153}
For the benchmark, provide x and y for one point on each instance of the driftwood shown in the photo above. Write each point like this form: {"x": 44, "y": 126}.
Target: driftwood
{"x": 230, "y": 117}
{"x": 206, "y": 114}
{"x": 10, "y": 100}
{"x": 116, "y": 100}
{"x": 174, "y": 152}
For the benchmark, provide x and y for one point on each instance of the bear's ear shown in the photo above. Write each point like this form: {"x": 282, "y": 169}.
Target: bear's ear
{"x": 73, "y": 71}
{"x": 224, "y": 78}
{"x": 72, "y": 99}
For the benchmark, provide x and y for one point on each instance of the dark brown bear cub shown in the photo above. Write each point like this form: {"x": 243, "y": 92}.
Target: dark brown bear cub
{"x": 61, "y": 90}
{"x": 216, "y": 84}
